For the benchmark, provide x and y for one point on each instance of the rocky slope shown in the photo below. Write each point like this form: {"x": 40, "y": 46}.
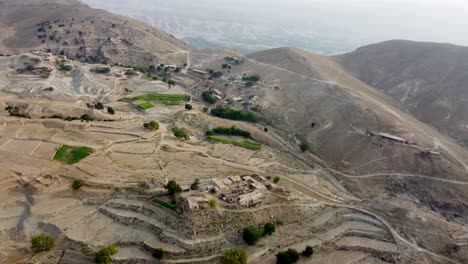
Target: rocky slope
{"x": 73, "y": 29}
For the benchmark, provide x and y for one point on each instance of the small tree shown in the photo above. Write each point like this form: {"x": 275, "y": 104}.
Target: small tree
{"x": 188, "y": 107}
{"x": 276, "y": 179}
{"x": 104, "y": 255}
{"x": 289, "y": 256}
{"x": 308, "y": 252}
{"x": 173, "y": 187}
{"x": 158, "y": 253}
{"x": 251, "y": 235}
{"x": 42, "y": 243}
{"x": 152, "y": 125}
{"x": 110, "y": 110}
{"x": 235, "y": 256}
{"x": 268, "y": 229}
{"x": 76, "y": 184}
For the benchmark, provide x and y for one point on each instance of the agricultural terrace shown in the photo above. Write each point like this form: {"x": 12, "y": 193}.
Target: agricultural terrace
{"x": 167, "y": 99}
{"x": 72, "y": 155}
{"x": 248, "y": 144}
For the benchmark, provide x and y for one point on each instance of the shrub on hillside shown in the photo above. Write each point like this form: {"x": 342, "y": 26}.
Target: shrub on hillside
{"x": 151, "y": 125}
{"x": 251, "y": 235}
{"x": 173, "y": 187}
{"x": 180, "y": 133}
{"x": 158, "y": 253}
{"x": 289, "y": 256}
{"x": 304, "y": 147}
{"x": 308, "y": 252}
{"x": 209, "y": 97}
{"x": 188, "y": 107}
{"x": 233, "y": 114}
{"x": 77, "y": 184}
{"x": 268, "y": 229}
{"x": 104, "y": 255}
{"x": 235, "y": 256}
{"x": 42, "y": 243}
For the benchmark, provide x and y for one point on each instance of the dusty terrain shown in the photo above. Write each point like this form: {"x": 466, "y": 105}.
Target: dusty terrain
{"x": 375, "y": 186}
{"x": 328, "y": 203}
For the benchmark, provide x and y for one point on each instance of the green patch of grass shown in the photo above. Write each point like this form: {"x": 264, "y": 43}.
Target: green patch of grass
{"x": 72, "y": 155}
{"x": 165, "y": 204}
{"x": 145, "y": 105}
{"x": 159, "y": 97}
{"x": 149, "y": 78}
{"x": 248, "y": 144}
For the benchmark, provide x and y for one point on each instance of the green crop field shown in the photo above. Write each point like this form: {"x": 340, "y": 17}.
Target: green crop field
{"x": 164, "y": 204}
{"x": 167, "y": 99}
{"x": 248, "y": 144}
{"x": 145, "y": 105}
{"x": 72, "y": 155}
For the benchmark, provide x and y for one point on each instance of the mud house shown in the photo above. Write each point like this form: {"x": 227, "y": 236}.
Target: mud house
{"x": 193, "y": 204}
{"x": 250, "y": 199}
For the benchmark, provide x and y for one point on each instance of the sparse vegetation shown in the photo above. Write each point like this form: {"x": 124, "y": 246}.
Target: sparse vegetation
{"x": 251, "y": 235}
{"x": 151, "y": 125}
{"x": 102, "y": 69}
{"x": 173, "y": 187}
{"x": 104, "y": 255}
{"x": 209, "y": 97}
{"x": 233, "y": 114}
{"x": 304, "y": 147}
{"x": 99, "y": 106}
{"x": 110, "y": 110}
{"x": 289, "y": 256}
{"x": 158, "y": 253}
{"x": 167, "y": 99}
{"x": 308, "y": 252}
{"x": 165, "y": 204}
{"x": 235, "y": 256}
{"x": 180, "y": 133}
{"x": 232, "y": 131}
{"x": 145, "y": 105}
{"x": 42, "y": 243}
{"x": 213, "y": 203}
{"x": 196, "y": 184}
{"x": 251, "y": 78}
{"x": 268, "y": 229}
{"x": 248, "y": 144}
{"x": 77, "y": 184}
{"x": 72, "y": 155}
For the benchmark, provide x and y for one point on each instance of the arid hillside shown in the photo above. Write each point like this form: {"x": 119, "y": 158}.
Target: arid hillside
{"x": 428, "y": 80}
{"x": 89, "y": 35}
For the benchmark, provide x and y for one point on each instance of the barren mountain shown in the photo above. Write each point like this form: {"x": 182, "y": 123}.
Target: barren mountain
{"x": 73, "y": 29}
{"x": 428, "y": 80}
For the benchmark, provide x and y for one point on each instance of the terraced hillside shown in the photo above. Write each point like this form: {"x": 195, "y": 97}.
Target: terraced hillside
{"x": 339, "y": 169}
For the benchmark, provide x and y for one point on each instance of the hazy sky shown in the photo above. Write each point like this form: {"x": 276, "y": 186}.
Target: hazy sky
{"x": 362, "y": 21}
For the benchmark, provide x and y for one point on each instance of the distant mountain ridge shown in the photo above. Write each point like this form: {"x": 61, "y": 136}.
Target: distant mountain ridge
{"x": 71, "y": 28}
{"x": 429, "y": 80}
